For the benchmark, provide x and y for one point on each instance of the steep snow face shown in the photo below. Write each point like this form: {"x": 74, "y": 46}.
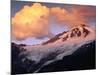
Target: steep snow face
{"x": 61, "y": 45}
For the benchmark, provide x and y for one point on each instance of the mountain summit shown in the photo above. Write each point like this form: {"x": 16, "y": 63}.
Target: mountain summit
{"x": 76, "y": 32}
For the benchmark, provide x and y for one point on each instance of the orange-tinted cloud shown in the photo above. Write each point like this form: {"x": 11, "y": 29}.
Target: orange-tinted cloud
{"x": 86, "y": 11}
{"x": 76, "y": 16}
{"x": 30, "y": 21}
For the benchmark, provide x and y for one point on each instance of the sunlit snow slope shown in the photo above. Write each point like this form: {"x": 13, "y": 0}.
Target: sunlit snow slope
{"x": 59, "y": 46}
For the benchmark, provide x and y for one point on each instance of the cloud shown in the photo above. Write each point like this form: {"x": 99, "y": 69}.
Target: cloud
{"x": 76, "y": 16}
{"x": 31, "y": 21}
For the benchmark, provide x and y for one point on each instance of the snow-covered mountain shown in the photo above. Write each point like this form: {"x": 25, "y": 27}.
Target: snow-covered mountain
{"x": 56, "y": 48}
{"x": 64, "y": 43}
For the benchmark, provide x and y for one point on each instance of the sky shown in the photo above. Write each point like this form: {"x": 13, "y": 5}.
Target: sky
{"x": 33, "y": 23}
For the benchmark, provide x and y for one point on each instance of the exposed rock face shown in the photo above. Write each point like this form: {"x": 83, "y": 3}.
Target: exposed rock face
{"x": 57, "y": 37}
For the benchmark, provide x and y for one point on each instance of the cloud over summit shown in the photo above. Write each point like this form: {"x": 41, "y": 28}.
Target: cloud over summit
{"x": 33, "y": 21}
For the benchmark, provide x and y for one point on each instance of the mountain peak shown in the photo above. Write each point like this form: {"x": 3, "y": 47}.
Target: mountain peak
{"x": 76, "y": 32}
